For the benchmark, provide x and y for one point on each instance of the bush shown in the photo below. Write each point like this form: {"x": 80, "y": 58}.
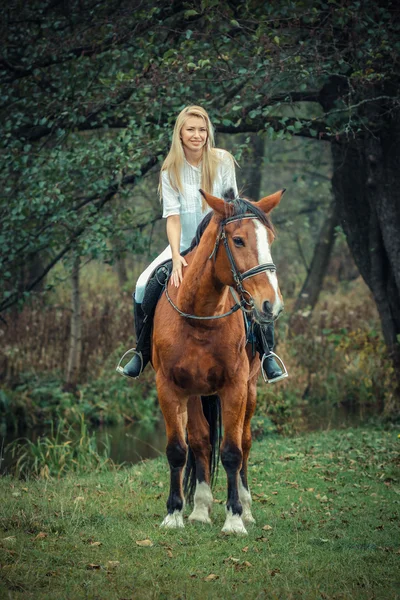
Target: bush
{"x": 63, "y": 451}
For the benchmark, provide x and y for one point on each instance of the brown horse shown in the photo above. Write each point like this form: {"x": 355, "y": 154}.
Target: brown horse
{"x": 200, "y": 349}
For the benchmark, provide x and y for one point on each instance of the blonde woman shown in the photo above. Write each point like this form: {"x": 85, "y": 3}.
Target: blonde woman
{"x": 192, "y": 163}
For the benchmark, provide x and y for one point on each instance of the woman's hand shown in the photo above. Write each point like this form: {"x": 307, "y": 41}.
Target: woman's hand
{"x": 177, "y": 275}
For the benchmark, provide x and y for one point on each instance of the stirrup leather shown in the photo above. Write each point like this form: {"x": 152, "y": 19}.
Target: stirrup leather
{"x": 280, "y": 363}
{"x": 120, "y": 368}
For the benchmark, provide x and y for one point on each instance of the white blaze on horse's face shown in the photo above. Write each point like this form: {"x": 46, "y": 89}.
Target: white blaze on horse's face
{"x": 264, "y": 256}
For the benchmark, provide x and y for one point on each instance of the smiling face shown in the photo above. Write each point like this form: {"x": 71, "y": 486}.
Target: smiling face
{"x": 194, "y": 135}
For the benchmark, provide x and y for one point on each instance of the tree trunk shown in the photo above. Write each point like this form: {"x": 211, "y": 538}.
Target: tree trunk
{"x": 120, "y": 268}
{"x": 366, "y": 185}
{"x": 255, "y": 167}
{"x": 75, "y": 347}
{"x": 312, "y": 286}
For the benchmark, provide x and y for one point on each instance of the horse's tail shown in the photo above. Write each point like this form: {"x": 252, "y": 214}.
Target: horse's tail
{"x": 212, "y": 412}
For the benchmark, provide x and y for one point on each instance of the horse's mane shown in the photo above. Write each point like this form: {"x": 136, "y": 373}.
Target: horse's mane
{"x": 242, "y": 207}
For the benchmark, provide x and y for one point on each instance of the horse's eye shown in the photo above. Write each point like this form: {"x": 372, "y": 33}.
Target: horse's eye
{"x": 238, "y": 242}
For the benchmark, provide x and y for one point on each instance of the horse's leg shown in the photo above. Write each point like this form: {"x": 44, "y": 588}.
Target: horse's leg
{"x": 244, "y": 491}
{"x": 174, "y": 409}
{"x": 199, "y": 441}
{"x": 233, "y": 400}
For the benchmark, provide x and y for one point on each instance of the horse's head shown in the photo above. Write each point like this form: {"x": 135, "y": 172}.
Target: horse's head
{"x": 246, "y": 234}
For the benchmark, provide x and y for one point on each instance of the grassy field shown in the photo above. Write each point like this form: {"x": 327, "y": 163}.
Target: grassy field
{"x": 327, "y": 511}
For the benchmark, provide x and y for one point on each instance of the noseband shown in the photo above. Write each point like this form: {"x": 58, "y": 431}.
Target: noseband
{"x": 246, "y": 303}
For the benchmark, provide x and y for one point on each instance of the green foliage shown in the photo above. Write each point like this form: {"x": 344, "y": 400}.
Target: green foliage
{"x": 281, "y": 408}
{"x": 63, "y": 451}
{"x": 40, "y": 400}
{"x": 350, "y": 368}
{"x": 87, "y": 105}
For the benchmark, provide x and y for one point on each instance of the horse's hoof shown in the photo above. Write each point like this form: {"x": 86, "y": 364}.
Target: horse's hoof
{"x": 200, "y": 515}
{"x": 247, "y": 517}
{"x": 174, "y": 520}
{"x": 234, "y": 524}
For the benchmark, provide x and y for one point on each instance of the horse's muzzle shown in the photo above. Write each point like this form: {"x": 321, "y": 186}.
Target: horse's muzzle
{"x": 267, "y": 314}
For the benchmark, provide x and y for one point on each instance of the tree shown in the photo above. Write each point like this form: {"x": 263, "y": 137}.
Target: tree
{"x": 90, "y": 89}
{"x": 75, "y": 346}
{"x": 310, "y": 291}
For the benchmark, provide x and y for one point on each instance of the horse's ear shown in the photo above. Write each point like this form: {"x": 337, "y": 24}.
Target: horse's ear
{"x": 218, "y": 205}
{"x": 270, "y": 202}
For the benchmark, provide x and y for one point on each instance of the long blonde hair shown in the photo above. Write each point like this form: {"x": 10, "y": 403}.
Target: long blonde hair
{"x": 176, "y": 156}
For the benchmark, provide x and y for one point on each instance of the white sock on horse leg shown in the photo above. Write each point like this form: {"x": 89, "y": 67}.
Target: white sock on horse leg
{"x": 174, "y": 520}
{"x": 233, "y": 523}
{"x": 202, "y": 503}
{"x": 245, "y": 501}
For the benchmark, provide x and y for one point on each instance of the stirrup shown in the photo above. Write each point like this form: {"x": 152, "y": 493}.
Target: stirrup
{"x": 120, "y": 368}
{"x": 280, "y": 363}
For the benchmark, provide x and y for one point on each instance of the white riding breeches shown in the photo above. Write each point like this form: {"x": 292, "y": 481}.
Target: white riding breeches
{"x": 144, "y": 277}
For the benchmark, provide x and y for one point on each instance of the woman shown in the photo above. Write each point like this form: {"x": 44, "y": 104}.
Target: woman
{"x": 192, "y": 163}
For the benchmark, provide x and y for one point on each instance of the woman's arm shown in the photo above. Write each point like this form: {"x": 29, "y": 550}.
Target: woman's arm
{"x": 174, "y": 238}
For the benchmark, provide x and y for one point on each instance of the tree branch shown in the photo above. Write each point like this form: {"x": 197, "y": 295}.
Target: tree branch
{"x": 111, "y": 192}
{"x": 280, "y": 124}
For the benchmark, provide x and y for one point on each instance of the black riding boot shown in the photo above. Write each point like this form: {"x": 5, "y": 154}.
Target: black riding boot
{"x": 265, "y": 345}
{"x": 142, "y": 354}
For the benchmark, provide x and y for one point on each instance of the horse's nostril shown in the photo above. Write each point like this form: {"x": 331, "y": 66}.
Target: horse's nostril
{"x": 267, "y": 308}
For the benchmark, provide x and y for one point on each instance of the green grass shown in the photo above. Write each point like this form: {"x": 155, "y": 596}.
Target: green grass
{"x": 332, "y": 501}
{"x": 63, "y": 451}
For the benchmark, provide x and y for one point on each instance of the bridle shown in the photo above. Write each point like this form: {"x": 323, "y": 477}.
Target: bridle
{"x": 246, "y": 303}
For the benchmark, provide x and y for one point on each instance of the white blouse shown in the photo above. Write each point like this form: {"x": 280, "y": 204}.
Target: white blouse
{"x": 189, "y": 203}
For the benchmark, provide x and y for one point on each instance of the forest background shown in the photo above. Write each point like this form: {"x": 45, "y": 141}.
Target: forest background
{"x": 306, "y": 97}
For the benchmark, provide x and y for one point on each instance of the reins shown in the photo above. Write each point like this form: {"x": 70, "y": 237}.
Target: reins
{"x": 234, "y": 308}
{"x": 246, "y": 303}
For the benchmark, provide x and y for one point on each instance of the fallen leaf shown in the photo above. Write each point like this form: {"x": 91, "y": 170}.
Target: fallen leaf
{"x": 79, "y": 499}
{"x": 40, "y": 536}
{"x": 267, "y": 528}
{"x": 274, "y": 572}
{"x": 245, "y": 549}
{"x": 321, "y": 498}
{"x": 247, "y": 563}
{"x": 113, "y": 564}
{"x": 9, "y": 541}
{"x": 144, "y": 543}
{"x": 211, "y": 577}
{"x": 93, "y": 567}
{"x": 231, "y": 559}
{"x": 95, "y": 543}
{"x": 169, "y": 553}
